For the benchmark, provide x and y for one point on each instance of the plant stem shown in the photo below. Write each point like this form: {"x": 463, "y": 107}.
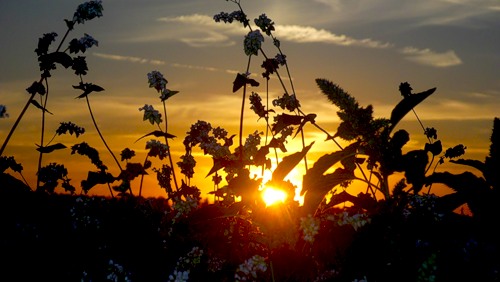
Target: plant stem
{"x": 169, "y": 151}
{"x": 243, "y": 109}
{"x": 40, "y": 156}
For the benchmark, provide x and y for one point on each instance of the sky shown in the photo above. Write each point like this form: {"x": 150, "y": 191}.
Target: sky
{"x": 367, "y": 47}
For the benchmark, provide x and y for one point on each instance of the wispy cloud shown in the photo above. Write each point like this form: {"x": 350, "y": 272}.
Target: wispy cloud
{"x": 138, "y": 60}
{"x": 307, "y": 34}
{"x": 129, "y": 59}
{"x": 428, "y": 57}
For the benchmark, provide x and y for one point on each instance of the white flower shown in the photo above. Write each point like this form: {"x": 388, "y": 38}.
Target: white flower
{"x": 310, "y": 227}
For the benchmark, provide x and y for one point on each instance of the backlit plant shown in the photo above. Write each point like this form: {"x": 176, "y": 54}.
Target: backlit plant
{"x": 392, "y": 231}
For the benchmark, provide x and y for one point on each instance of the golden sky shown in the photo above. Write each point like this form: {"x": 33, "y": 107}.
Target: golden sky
{"x": 367, "y": 47}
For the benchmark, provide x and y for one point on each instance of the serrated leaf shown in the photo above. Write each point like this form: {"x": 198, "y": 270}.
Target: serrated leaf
{"x": 36, "y": 104}
{"x": 288, "y": 163}
{"x": 407, "y": 104}
{"x": 158, "y": 133}
{"x": 51, "y": 148}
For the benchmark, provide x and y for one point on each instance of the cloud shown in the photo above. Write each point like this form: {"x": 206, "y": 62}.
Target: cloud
{"x": 428, "y": 57}
{"x": 307, "y": 34}
{"x": 138, "y": 60}
{"x": 128, "y": 59}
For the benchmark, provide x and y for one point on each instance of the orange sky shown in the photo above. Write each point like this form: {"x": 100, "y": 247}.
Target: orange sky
{"x": 443, "y": 44}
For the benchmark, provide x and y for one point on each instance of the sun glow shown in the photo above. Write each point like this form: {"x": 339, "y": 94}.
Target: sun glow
{"x": 273, "y": 196}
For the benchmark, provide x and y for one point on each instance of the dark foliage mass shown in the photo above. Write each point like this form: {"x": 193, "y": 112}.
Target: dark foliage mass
{"x": 390, "y": 232}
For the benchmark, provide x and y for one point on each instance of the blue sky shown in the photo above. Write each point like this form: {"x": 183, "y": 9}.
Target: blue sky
{"x": 367, "y": 47}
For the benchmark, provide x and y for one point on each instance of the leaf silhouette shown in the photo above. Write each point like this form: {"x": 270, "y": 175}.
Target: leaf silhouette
{"x": 284, "y": 120}
{"x": 315, "y": 180}
{"x": 408, "y": 103}
{"x": 158, "y": 133}
{"x": 88, "y": 88}
{"x": 51, "y": 148}
{"x": 241, "y": 80}
{"x": 59, "y": 57}
{"x": 479, "y": 165}
{"x": 36, "y": 104}
{"x": 288, "y": 163}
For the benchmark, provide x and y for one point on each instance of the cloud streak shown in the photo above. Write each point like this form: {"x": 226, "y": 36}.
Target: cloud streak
{"x": 304, "y": 34}
{"x": 139, "y": 60}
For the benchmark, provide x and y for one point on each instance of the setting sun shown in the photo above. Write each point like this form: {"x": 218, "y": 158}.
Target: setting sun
{"x": 272, "y": 196}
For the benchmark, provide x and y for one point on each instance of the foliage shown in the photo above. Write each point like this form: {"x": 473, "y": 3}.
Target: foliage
{"x": 388, "y": 233}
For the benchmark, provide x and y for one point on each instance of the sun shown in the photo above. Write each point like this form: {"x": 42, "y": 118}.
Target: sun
{"x": 273, "y": 196}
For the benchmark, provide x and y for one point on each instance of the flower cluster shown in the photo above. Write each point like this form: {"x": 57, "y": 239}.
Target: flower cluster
{"x": 187, "y": 165}
{"x": 356, "y": 220}
{"x": 151, "y": 114}
{"x": 157, "y": 81}
{"x": 253, "y": 42}
{"x": 87, "y": 11}
{"x": 289, "y": 102}
{"x": 184, "y": 207}
{"x": 310, "y": 227}
{"x": 185, "y": 264}
{"x": 157, "y": 149}
{"x": 422, "y": 205}
{"x": 116, "y": 273}
{"x": 82, "y": 44}
{"x": 249, "y": 270}
{"x": 265, "y": 23}
{"x": 80, "y": 216}
{"x": 3, "y": 111}
{"x": 230, "y": 17}
{"x": 257, "y": 106}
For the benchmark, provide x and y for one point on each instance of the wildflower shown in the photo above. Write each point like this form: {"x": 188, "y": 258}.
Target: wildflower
{"x": 82, "y": 44}
{"x": 257, "y": 106}
{"x": 3, "y": 111}
{"x": 127, "y": 154}
{"x": 80, "y": 65}
{"x": 265, "y": 23}
{"x": 116, "y": 272}
{"x": 253, "y": 42}
{"x": 187, "y": 165}
{"x": 157, "y": 149}
{"x": 289, "y": 102}
{"x": 310, "y": 227}
{"x": 164, "y": 176}
{"x": 151, "y": 114}
{"x": 249, "y": 270}
{"x": 182, "y": 207}
{"x": 179, "y": 276}
{"x": 357, "y": 220}
{"x": 281, "y": 59}
{"x": 157, "y": 81}
{"x": 87, "y": 11}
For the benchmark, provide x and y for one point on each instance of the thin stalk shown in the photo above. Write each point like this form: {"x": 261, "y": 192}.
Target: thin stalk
{"x": 40, "y": 156}
{"x": 169, "y": 152}
{"x": 243, "y": 109}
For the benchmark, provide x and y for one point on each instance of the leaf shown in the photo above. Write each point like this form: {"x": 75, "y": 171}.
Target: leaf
{"x": 51, "y": 148}
{"x": 36, "y": 104}
{"x": 158, "y": 133}
{"x": 288, "y": 163}
{"x": 241, "y": 80}
{"x": 284, "y": 120}
{"x": 435, "y": 148}
{"x": 314, "y": 179}
{"x": 322, "y": 185}
{"x": 479, "y": 165}
{"x": 60, "y": 57}
{"x": 309, "y": 117}
{"x": 407, "y": 104}
{"x": 94, "y": 178}
{"x": 88, "y": 88}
